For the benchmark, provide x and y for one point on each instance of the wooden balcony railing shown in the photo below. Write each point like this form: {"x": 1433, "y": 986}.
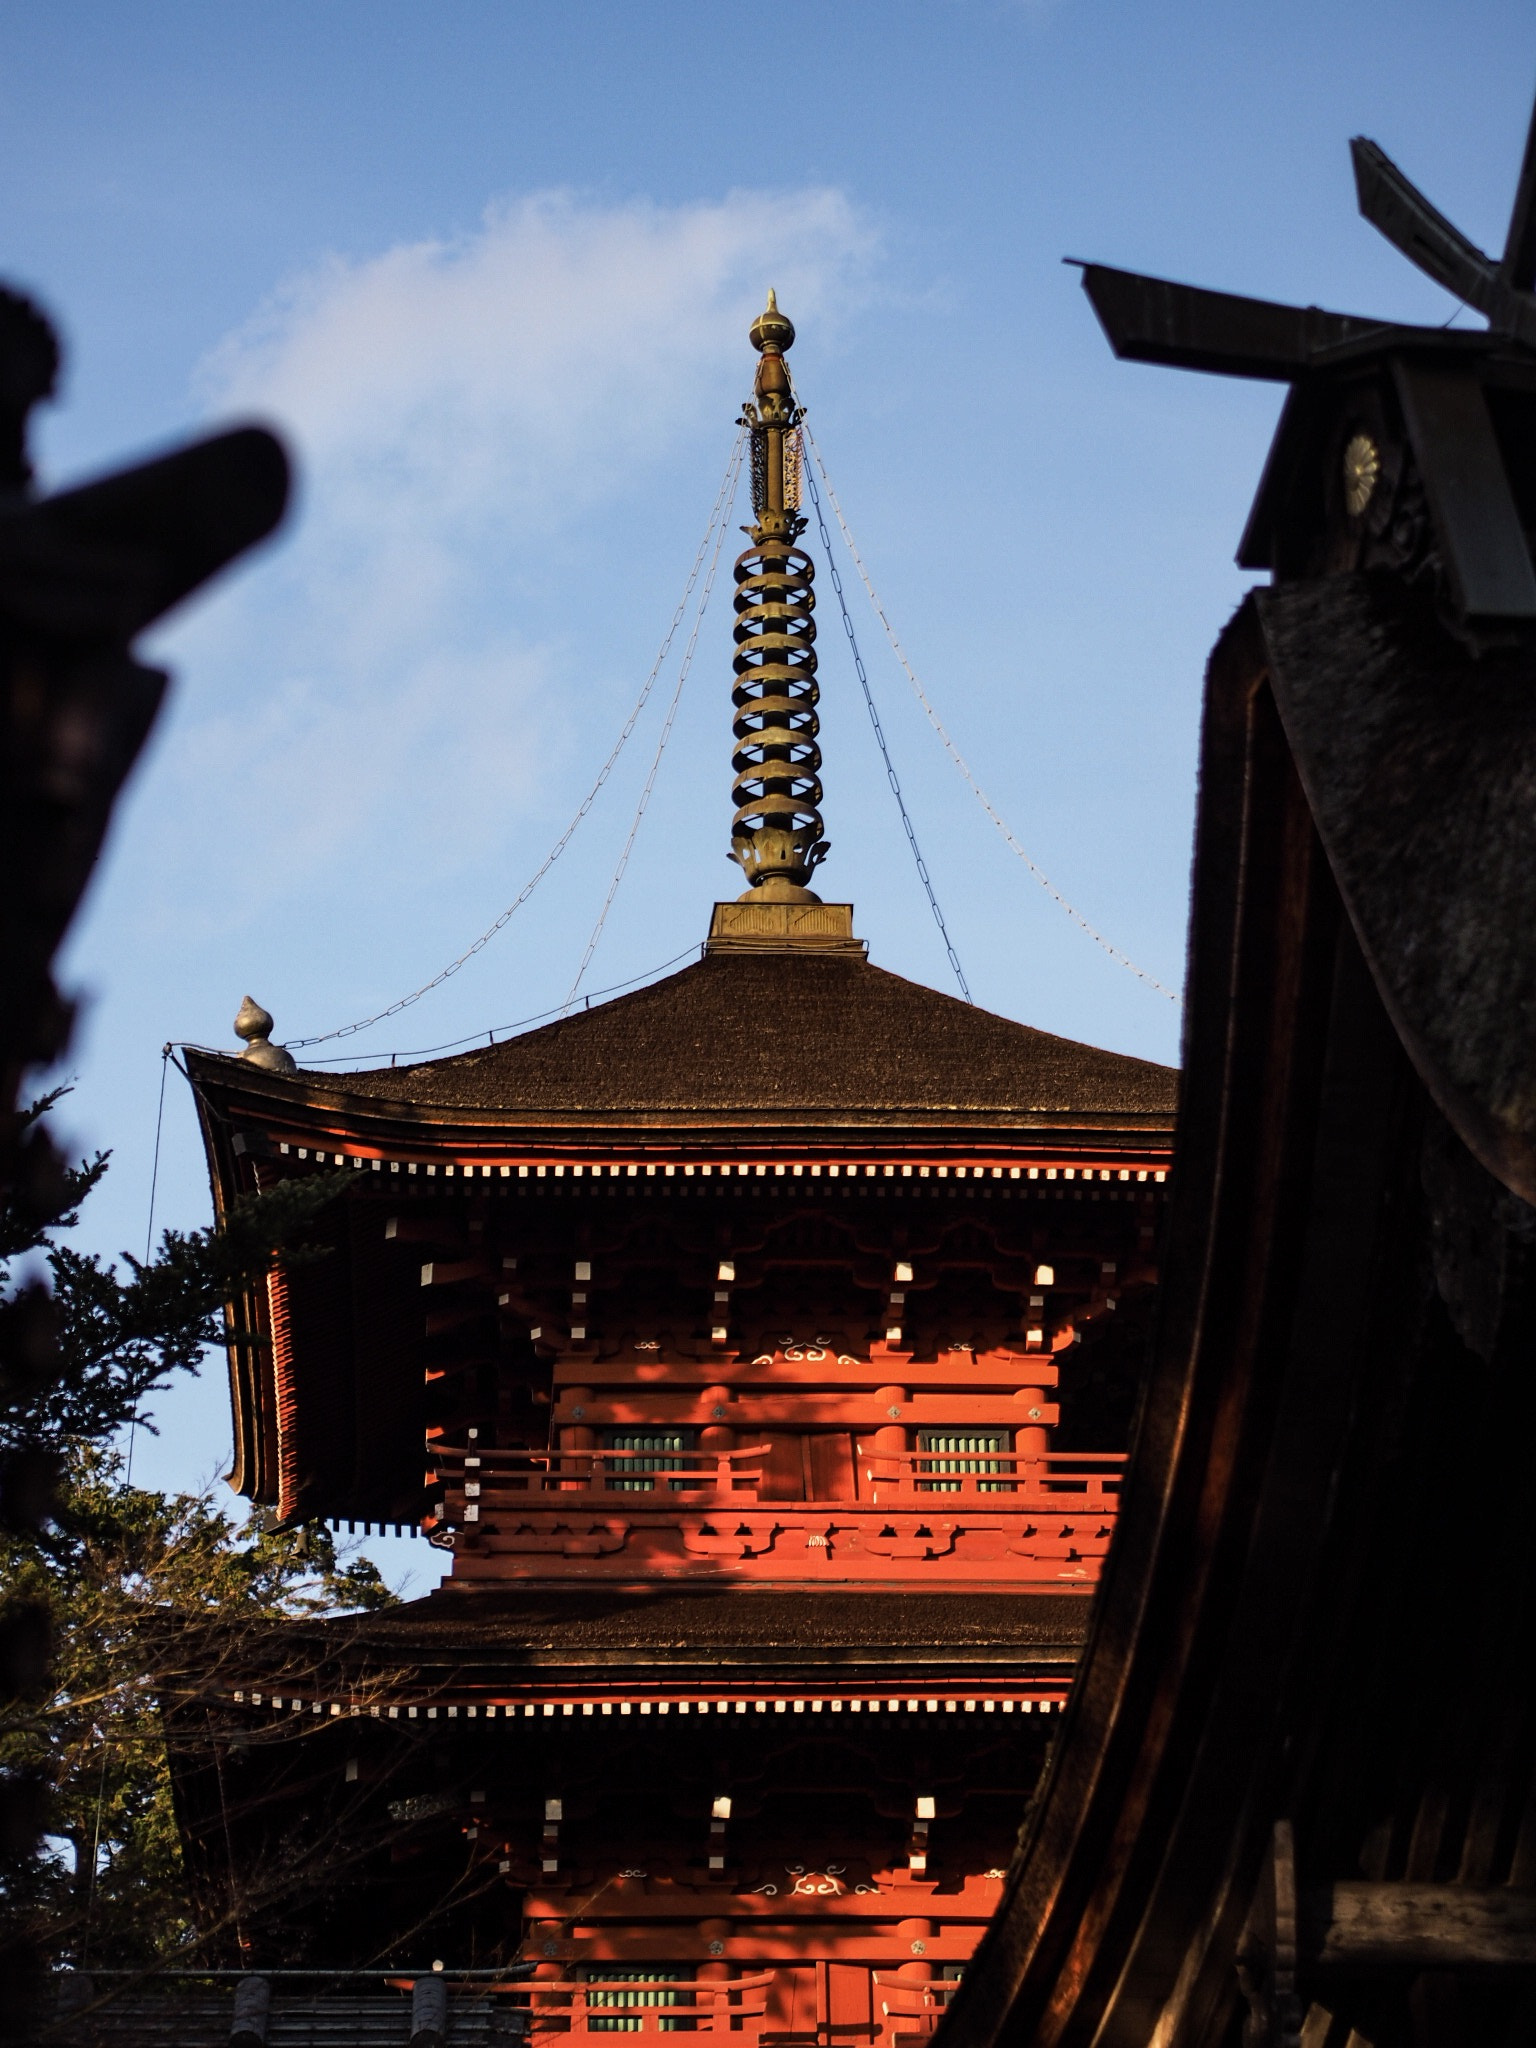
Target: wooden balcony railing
{"x": 1059, "y": 1481}
{"x": 594, "y": 2011}
{"x": 1006, "y": 1482}
{"x": 517, "y": 1476}
{"x": 912, "y": 2010}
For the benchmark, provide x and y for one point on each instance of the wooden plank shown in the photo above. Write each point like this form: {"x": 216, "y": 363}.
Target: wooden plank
{"x": 1518, "y": 269}
{"x": 1474, "y": 508}
{"x": 1398, "y": 209}
{"x": 956, "y": 1371}
{"x": 1426, "y": 1926}
{"x": 812, "y": 1411}
{"x": 1150, "y": 320}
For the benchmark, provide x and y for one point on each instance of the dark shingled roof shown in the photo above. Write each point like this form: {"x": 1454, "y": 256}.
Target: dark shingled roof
{"x": 719, "y": 1627}
{"x": 786, "y": 1031}
{"x": 722, "y": 1618}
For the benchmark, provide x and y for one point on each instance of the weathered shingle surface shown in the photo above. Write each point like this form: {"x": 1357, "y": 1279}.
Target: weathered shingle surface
{"x": 784, "y": 1032}
{"x": 1418, "y": 758}
{"x": 722, "y": 1621}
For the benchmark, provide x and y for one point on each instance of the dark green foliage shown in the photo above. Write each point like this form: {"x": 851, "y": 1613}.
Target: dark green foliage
{"x": 117, "y": 1602}
{"x": 116, "y": 1336}
{"x": 146, "y": 1594}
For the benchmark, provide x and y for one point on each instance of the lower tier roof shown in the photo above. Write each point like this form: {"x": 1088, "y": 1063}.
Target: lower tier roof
{"x": 525, "y": 1629}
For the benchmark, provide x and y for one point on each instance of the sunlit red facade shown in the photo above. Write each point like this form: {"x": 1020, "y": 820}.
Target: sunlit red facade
{"x": 751, "y": 1398}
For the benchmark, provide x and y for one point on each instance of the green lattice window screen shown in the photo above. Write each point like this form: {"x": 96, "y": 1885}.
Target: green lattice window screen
{"x": 614, "y": 2011}
{"x": 655, "y": 1444}
{"x": 966, "y": 1452}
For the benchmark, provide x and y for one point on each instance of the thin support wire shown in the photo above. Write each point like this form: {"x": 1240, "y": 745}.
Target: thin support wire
{"x": 958, "y": 758}
{"x": 101, "y": 1796}
{"x": 727, "y": 484}
{"x": 885, "y": 752}
{"x": 154, "y": 1177}
{"x": 149, "y": 1241}
{"x": 422, "y": 1052}
{"x": 666, "y": 730}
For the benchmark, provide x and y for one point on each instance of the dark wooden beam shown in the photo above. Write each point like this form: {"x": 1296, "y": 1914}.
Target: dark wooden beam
{"x": 1422, "y": 1926}
{"x": 1393, "y": 204}
{"x": 1518, "y": 269}
{"x": 1475, "y": 512}
{"x": 1150, "y": 320}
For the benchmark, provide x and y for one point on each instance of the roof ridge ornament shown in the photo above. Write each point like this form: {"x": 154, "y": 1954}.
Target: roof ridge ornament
{"x": 776, "y": 837}
{"x": 1150, "y": 319}
{"x": 254, "y": 1025}
{"x": 1389, "y": 455}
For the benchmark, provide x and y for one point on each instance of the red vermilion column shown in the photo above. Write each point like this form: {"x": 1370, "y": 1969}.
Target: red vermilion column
{"x": 716, "y": 1436}
{"x": 1033, "y": 1440}
{"x": 891, "y": 1439}
{"x": 577, "y": 1436}
{"x": 715, "y": 1973}
{"x": 918, "y": 1970}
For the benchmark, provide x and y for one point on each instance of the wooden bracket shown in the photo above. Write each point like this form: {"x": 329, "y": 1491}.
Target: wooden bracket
{"x": 1267, "y": 1956}
{"x": 1356, "y": 1926}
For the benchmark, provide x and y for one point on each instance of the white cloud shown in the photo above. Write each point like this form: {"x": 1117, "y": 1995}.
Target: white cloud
{"x": 524, "y": 369}
{"x": 473, "y": 420}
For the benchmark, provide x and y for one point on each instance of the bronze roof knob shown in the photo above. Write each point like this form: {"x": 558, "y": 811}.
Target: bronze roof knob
{"x": 254, "y": 1025}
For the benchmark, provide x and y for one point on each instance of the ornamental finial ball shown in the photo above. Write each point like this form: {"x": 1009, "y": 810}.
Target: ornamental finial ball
{"x": 772, "y": 332}
{"x": 253, "y": 1021}
{"x": 254, "y": 1025}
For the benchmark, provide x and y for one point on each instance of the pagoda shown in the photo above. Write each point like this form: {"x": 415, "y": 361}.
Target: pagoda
{"x": 758, "y": 1349}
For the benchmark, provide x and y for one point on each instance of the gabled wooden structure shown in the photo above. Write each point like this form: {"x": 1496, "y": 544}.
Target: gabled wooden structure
{"x": 1294, "y": 1800}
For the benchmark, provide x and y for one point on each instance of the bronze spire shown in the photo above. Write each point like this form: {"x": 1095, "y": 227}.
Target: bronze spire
{"x": 776, "y": 836}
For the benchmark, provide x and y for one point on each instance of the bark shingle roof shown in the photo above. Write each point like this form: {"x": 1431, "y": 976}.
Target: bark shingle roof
{"x": 783, "y": 1033}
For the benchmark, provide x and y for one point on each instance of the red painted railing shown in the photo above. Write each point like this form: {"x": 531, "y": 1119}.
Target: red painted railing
{"x": 589, "y": 2011}
{"x": 1056, "y": 1480}
{"x": 913, "y": 2009}
{"x": 1003, "y": 1484}
{"x": 519, "y": 1475}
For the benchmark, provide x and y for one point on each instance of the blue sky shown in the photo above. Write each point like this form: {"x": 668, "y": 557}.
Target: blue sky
{"x": 490, "y": 268}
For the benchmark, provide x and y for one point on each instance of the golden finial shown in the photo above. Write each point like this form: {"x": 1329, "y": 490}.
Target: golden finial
{"x": 772, "y": 332}
{"x": 776, "y": 837}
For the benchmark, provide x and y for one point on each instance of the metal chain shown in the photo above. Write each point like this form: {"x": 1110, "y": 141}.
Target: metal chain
{"x": 958, "y": 758}
{"x": 666, "y": 734}
{"x": 874, "y": 719}
{"x": 727, "y": 486}
{"x": 488, "y": 1033}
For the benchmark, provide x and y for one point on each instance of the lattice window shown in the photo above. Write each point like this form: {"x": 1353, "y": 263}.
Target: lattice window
{"x": 621, "y": 2015}
{"x": 657, "y": 1452}
{"x": 968, "y": 1452}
